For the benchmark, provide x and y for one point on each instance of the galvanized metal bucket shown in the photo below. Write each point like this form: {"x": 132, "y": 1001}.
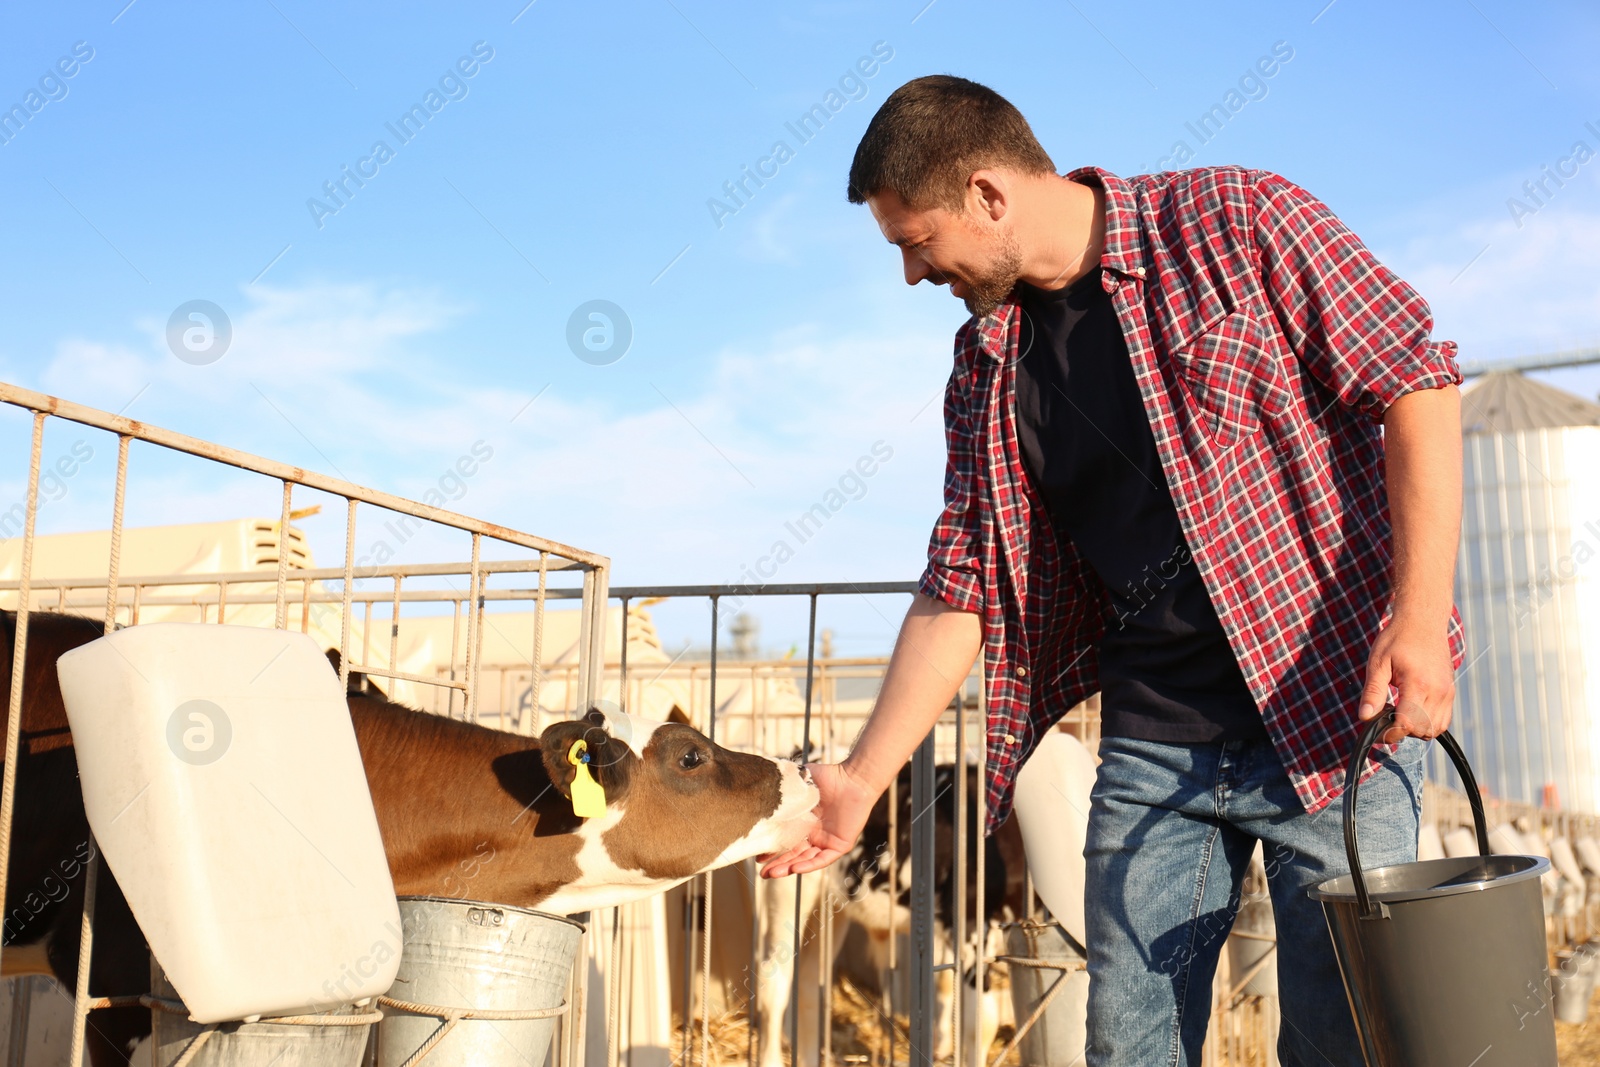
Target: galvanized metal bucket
{"x": 1574, "y": 986}
{"x": 480, "y": 985}
{"x": 1049, "y": 994}
{"x": 335, "y": 1038}
{"x": 1444, "y": 960}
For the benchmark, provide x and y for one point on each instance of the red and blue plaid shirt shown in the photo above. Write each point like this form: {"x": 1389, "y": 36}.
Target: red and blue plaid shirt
{"x": 1267, "y": 343}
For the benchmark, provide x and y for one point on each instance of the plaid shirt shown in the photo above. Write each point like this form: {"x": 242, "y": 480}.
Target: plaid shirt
{"x": 1267, "y": 343}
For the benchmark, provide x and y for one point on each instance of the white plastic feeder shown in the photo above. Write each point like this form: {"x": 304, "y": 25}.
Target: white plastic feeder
{"x": 223, "y": 783}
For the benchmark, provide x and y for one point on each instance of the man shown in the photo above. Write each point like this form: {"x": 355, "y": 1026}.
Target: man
{"x": 1205, "y": 459}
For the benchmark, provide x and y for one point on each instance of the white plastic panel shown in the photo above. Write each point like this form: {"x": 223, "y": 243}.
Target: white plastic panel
{"x": 222, "y": 780}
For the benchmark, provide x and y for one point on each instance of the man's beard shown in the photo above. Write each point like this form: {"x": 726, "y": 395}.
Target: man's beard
{"x": 989, "y": 290}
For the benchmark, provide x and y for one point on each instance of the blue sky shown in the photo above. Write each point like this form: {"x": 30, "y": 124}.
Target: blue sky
{"x": 772, "y": 346}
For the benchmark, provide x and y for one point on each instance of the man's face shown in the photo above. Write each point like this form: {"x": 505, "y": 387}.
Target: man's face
{"x": 977, "y": 257}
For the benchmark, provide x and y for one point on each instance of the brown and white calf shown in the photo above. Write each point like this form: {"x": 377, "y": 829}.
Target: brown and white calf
{"x": 464, "y": 812}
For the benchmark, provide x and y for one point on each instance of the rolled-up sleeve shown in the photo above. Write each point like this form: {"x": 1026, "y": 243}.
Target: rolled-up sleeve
{"x": 954, "y": 573}
{"x": 1354, "y": 324}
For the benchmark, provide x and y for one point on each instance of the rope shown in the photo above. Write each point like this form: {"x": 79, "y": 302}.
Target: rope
{"x": 452, "y": 1016}
{"x": 487, "y": 1014}
{"x": 1041, "y": 965}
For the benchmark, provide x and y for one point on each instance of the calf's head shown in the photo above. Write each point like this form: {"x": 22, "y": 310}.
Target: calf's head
{"x": 676, "y": 804}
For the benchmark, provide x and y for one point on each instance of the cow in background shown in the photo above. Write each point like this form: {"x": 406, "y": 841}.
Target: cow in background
{"x": 859, "y": 886}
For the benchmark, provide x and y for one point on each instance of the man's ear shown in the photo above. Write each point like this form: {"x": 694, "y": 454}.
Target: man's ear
{"x": 611, "y": 761}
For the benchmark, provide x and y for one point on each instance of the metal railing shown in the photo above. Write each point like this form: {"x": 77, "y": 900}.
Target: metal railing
{"x": 250, "y": 588}
{"x": 925, "y": 962}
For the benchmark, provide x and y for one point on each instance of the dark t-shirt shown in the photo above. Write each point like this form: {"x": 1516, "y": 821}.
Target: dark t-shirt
{"x": 1166, "y": 670}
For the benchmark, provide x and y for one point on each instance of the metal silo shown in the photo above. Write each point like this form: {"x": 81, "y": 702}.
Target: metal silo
{"x": 1528, "y": 585}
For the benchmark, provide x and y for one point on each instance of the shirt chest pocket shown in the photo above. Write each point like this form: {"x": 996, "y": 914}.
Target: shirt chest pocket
{"x": 1232, "y": 378}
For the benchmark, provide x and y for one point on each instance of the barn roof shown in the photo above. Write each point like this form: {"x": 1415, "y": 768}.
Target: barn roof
{"x": 1506, "y": 402}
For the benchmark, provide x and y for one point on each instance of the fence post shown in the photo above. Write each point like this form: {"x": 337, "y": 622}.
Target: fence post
{"x": 922, "y": 879}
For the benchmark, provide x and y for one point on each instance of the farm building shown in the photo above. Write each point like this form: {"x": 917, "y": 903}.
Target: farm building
{"x": 1528, "y": 586}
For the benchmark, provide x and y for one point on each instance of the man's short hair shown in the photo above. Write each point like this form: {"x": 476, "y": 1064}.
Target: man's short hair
{"x": 932, "y": 133}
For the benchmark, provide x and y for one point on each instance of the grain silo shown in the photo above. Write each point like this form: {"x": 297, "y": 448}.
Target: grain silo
{"x": 1528, "y": 585}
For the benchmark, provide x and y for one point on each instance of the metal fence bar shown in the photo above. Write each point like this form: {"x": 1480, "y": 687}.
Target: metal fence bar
{"x": 394, "y": 626}
{"x": 478, "y": 604}
{"x": 980, "y": 822}
{"x": 19, "y": 657}
{"x": 691, "y": 946}
{"x": 614, "y": 992}
{"x": 705, "y": 946}
{"x": 410, "y": 596}
{"x": 597, "y": 595}
{"x": 958, "y": 890}
{"x": 588, "y": 685}
{"x": 281, "y": 618}
{"x": 893, "y": 859}
{"x": 538, "y": 647}
{"x": 577, "y": 1016}
{"x": 922, "y": 904}
{"x": 622, "y": 672}
{"x": 308, "y": 575}
{"x": 770, "y": 589}
{"x": 474, "y": 624}
{"x": 795, "y": 990}
{"x": 344, "y": 593}
{"x": 91, "y": 873}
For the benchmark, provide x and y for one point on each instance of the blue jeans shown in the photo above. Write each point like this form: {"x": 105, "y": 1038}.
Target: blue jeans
{"x": 1171, "y": 831}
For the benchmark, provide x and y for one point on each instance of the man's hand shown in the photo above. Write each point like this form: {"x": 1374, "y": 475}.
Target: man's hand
{"x": 842, "y": 811}
{"x": 1416, "y": 661}
{"x": 936, "y": 648}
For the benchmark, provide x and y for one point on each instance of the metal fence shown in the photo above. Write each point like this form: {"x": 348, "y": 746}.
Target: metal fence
{"x": 820, "y": 727}
{"x": 228, "y": 597}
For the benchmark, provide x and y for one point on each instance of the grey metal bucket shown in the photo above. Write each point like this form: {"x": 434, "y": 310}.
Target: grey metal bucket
{"x": 471, "y": 974}
{"x": 1049, "y": 995}
{"x": 1443, "y": 961}
{"x": 341, "y": 1042}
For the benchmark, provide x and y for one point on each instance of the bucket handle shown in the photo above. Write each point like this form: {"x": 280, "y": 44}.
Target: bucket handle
{"x": 1352, "y": 780}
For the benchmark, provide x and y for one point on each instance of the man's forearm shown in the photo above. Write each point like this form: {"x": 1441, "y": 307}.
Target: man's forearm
{"x": 932, "y": 657}
{"x": 1422, "y": 442}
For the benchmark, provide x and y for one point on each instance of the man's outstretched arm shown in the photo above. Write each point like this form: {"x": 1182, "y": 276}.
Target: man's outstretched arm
{"x": 932, "y": 657}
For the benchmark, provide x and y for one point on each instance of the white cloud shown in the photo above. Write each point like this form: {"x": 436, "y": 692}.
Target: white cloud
{"x": 1531, "y": 288}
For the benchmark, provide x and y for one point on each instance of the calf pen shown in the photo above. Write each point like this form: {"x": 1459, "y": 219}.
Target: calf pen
{"x": 297, "y": 595}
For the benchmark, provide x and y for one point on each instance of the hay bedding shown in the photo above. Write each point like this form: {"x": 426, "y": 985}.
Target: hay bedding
{"x": 859, "y": 1038}
{"x": 1579, "y": 1046}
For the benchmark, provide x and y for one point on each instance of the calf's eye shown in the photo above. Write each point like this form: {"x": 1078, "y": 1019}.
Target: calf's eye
{"x": 691, "y": 759}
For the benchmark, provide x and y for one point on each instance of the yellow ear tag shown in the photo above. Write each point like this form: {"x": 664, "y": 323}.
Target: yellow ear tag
{"x": 588, "y": 796}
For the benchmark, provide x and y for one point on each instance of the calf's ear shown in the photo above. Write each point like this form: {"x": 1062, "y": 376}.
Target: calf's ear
{"x": 610, "y": 763}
